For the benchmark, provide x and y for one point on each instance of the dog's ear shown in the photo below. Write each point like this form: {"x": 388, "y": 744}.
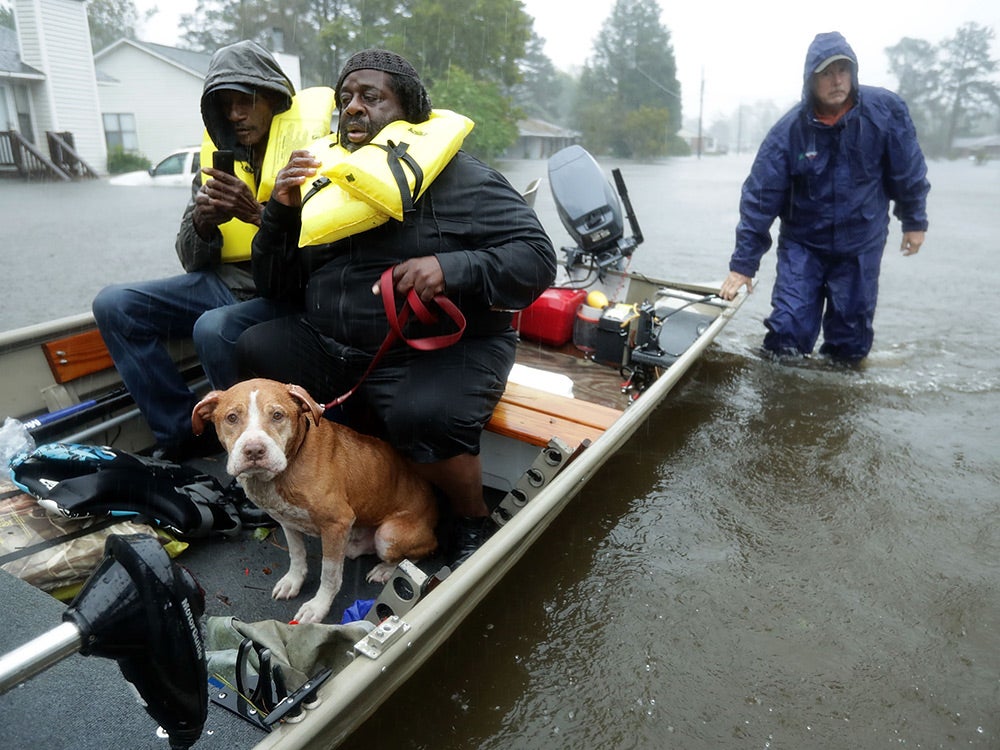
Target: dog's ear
{"x": 308, "y": 403}
{"x": 203, "y": 411}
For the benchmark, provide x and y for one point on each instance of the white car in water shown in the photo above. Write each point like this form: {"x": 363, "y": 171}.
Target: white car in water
{"x": 176, "y": 170}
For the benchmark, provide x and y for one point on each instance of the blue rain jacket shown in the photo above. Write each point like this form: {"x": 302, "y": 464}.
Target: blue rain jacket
{"x": 831, "y": 184}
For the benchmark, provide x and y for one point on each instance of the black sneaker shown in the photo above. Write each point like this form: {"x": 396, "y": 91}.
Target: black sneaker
{"x": 468, "y": 535}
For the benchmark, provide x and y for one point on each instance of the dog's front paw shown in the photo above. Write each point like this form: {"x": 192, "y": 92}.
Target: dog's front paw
{"x": 313, "y": 610}
{"x": 288, "y": 587}
{"x": 380, "y": 573}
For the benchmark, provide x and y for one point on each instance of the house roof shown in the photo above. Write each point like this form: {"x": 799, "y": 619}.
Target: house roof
{"x": 982, "y": 141}
{"x": 190, "y": 61}
{"x": 543, "y": 129}
{"x": 10, "y": 57}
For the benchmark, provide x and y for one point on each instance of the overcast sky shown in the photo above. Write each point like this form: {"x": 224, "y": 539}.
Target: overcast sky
{"x": 744, "y": 51}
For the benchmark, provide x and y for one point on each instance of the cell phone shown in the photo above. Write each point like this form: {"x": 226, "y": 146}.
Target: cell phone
{"x": 223, "y": 161}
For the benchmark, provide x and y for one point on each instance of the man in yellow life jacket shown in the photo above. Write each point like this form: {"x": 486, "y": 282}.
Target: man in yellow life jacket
{"x": 249, "y": 108}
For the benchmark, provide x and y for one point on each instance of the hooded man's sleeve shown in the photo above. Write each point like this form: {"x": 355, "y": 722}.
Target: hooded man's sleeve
{"x": 764, "y": 196}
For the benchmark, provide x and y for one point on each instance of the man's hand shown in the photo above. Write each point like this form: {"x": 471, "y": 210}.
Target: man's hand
{"x": 423, "y": 275}
{"x": 911, "y": 243}
{"x": 301, "y": 166}
{"x": 731, "y": 286}
{"x": 223, "y": 197}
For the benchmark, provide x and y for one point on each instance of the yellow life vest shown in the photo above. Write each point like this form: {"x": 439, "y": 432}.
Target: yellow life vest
{"x": 308, "y": 118}
{"x": 397, "y": 166}
{"x": 330, "y": 213}
{"x": 358, "y": 190}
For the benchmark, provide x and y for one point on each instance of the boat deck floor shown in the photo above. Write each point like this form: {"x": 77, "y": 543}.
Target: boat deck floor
{"x": 238, "y": 574}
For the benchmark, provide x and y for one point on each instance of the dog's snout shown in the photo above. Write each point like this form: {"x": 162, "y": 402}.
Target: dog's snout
{"x": 254, "y": 451}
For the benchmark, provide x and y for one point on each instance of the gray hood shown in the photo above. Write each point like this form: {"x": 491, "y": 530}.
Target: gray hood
{"x": 248, "y": 67}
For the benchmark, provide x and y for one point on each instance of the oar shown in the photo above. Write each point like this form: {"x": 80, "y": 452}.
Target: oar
{"x": 60, "y": 416}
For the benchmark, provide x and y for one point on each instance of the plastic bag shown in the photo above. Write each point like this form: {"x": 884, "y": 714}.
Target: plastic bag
{"x": 14, "y": 440}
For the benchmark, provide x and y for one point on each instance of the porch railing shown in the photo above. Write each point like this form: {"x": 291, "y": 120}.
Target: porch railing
{"x": 19, "y": 157}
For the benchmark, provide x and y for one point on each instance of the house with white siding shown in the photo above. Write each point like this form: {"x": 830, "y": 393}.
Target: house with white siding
{"x": 151, "y": 96}
{"x": 141, "y": 96}
{"x": 53, "y": 87}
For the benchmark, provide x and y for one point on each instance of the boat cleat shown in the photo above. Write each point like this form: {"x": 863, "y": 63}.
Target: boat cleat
{"x": 262, "y": 699}
{"x": 388, "y": 632}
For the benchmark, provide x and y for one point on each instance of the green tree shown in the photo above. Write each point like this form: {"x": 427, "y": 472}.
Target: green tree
{"x": 322, "y": 33}
{"x": 649, "y": 137}
{"x": 486, "y": 38}
{"x": 950, "y": 89}
{"x": 6, "y": 16}
{"x": 915, "y": 64}
{"x": 481, "y": 101}
{"x": 966, "y": 72}
{"x": 632, "y": 67}
{"x": 543, "y": 92}
{"x": 111, "y": 20}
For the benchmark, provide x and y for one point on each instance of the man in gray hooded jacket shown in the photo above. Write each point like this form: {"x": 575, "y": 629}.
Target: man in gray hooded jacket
{"x": 245, "y": 89}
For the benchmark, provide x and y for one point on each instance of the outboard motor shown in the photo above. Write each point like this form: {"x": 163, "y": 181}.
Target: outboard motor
{"x": 590, "y": 210}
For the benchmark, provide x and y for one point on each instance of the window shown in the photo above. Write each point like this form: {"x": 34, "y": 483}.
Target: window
{"x": 119, "y": 130}
{"x": 22, "y": 104}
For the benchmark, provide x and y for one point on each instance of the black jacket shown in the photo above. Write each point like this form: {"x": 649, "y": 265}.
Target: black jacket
{"x": 493, "y": 251}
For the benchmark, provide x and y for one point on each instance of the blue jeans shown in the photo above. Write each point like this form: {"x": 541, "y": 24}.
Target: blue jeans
{"x": 137, "y": 320}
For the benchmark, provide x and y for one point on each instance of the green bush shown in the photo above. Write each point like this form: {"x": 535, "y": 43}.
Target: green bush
{"x": 120, "y": 160}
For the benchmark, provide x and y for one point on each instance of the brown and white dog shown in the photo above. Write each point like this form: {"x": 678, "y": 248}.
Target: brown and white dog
{"x": 321, "y": 478}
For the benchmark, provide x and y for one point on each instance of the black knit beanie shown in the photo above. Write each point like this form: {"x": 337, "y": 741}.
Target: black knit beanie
{"x": 376, "y": 59}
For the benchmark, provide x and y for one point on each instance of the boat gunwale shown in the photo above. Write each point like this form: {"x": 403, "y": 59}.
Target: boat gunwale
{"x": 355, "y": 693}
{"x": 348, "y": 697}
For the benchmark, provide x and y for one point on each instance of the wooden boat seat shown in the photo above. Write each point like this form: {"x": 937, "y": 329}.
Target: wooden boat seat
{"x": 535, "y": 417}
{"x": 524, "y": 413}
{"x": 78, "y": 355}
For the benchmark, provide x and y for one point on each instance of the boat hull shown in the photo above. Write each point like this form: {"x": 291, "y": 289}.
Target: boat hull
{"x": 353, "y": 694}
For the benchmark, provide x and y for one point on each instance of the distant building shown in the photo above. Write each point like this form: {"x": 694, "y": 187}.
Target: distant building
{"x": 47, "y": 79}
{"x": 708, "y": 144}
{"x": 538, "y": 139}
{"x": 140, "y": 96}
{"x": 981, "y": 148}
{"x": 151, "y": 95}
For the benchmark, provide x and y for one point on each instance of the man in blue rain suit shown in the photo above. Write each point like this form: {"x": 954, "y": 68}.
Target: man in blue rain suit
{"x": 828, "y": 169}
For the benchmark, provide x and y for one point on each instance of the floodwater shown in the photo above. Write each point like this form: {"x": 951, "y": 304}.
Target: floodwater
{"x": 783, "y": 557}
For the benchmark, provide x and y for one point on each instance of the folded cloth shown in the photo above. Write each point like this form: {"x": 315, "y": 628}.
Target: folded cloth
{"x": 300, "y": 650}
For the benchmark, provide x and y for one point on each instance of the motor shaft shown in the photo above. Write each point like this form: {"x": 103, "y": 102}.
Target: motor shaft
{"x": 38, "y": 655}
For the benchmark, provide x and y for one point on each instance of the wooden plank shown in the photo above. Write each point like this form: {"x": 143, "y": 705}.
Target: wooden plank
{"x": 534, "y": 417}
{"x": 536, "y": 428}
{"x": 76, "y": 356}
{"x": 573, "y": 409}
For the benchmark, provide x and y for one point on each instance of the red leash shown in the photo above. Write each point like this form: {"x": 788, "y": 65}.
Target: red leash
{"x": 397, "y": 319}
